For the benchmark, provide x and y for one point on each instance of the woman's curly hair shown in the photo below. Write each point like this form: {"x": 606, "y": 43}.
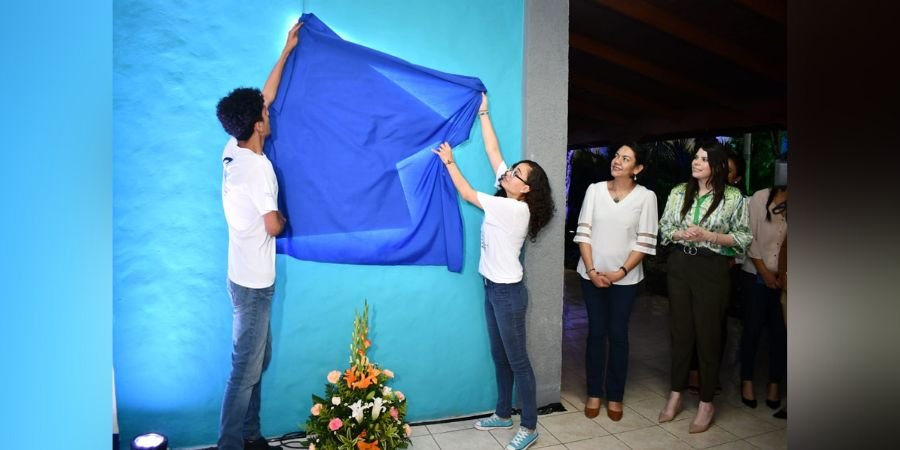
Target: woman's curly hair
{"x": 239, "y": 111}
{"x": 538, "y": 198}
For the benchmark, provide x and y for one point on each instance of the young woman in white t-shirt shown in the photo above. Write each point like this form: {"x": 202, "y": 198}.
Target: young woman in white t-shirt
{"x": 617, "y": 227}
{"x": 520, "y": 208}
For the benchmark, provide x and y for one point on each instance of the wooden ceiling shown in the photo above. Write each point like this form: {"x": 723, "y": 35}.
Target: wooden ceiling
{"x": 655, "y": 69}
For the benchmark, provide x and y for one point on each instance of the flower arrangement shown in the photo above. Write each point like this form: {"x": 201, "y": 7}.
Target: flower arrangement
{"x": 358, "y": 411}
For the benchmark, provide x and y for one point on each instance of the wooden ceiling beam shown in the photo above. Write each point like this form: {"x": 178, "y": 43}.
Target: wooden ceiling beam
{"x": 596, "y": 86}
{"x": 696, "y": 35}
{"x": 774, "y": 10}
{"x": 585, "y": 109}
{"x": 649, "y": 70}
{"x": 770, "y": 112}
{"x": 762, "y": 112}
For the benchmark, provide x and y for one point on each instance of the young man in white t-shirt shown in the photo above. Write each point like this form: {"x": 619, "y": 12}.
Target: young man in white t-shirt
{"x": 250, "y": 201}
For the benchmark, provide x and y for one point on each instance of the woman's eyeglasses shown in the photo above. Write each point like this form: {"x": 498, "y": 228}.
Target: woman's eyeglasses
{"x": 780, "y": 208}
{"x": 515, "y": 173}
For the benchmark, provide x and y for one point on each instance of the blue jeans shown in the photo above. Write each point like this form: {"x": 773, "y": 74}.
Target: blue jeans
{"x": 609, "y": 311}
{"x": 252, "y": 340}
{"x": 505, "y": 306}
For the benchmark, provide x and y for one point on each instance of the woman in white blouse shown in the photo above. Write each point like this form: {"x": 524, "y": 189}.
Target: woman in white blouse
{"x": 617, "y": 226}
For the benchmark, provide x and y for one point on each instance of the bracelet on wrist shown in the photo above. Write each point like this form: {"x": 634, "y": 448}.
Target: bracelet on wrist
{"x": 448, "y": 162}
{"x": 623, "y": 269}
{"x": 482, "y": 112}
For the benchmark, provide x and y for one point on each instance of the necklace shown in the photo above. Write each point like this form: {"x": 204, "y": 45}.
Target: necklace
{"x": 615, "y": 193}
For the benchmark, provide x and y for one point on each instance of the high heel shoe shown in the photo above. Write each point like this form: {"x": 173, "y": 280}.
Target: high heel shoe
{"x": 773, "y": 392}
{"x": 615, "y": 416}
{"x": 696, "y": 427}
{"x": 666, "y": 417}
{"x": 750, "y": 403}
{"x": 590, "y": 413}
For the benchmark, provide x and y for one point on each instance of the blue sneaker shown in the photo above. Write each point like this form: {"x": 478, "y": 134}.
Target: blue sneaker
{"x": 494, "y": 422}
{"x": 523, "y": 439}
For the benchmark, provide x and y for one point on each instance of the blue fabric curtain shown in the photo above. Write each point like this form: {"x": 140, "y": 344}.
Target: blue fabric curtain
{"x": 352, "y": 133}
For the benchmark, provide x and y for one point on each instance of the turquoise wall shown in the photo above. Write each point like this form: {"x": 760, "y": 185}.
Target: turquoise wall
{"x": 173, "y": 60}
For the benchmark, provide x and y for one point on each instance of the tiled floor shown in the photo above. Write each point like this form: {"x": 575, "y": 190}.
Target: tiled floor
{"x": 735, "y": 426}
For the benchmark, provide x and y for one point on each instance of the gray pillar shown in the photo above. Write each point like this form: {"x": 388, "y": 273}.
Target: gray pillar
{"x": 544, "y": 128}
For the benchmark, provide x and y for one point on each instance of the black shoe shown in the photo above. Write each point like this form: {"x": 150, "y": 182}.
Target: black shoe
{"x": 748, "y": 403}
{"x": 260, "y": 444}
{"x": 781, "y": 414}
{"x": 773, "y": 404}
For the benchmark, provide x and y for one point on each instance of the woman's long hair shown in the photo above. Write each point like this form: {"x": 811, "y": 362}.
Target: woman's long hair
{"x": 717, "y": 157}
{"x": 538, "y": 198}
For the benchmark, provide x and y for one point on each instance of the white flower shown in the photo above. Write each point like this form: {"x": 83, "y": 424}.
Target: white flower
{"x": 358, "y": 410}
{"x": 335, "y": 401}
{"x": 386, "y": 391}
{"x": 377, "y": 408}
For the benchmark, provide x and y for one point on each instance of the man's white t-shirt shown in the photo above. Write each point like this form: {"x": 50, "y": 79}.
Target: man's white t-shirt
{"x": 503, "y": 233}
{"x": 249, "y": 191}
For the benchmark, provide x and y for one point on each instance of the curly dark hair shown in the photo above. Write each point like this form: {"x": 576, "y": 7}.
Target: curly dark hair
{"x": 538, "y": 198}
{"x": 740, "y": 165}
{"x": 239, "y": 111}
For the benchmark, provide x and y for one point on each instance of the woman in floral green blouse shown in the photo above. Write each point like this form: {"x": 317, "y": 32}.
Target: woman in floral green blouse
{"x": 707, "y": 221}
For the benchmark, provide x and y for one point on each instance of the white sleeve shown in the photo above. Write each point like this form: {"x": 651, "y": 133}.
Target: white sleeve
{"x": 648, "y": 226}
{"x": 263, "y": 191}
{"x": 586, "y": 217}
{"x": 501, "y": 169}
{"x": 756, "y": 209}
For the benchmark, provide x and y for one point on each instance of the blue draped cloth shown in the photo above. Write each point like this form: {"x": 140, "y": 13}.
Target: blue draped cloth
{"x": 352, "y": 134}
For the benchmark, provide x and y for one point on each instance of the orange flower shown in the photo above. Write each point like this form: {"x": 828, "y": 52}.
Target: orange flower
{"x": 350, "y": 377}
{"x": 368, "y": 446}
{"x": 362, "y": 380}
{"x": 368, "y": 343}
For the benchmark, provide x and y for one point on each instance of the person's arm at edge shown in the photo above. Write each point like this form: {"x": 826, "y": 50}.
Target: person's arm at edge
{"x": 491, "y": 144}
{"x": 459, "y": 181}
{"x": 270, "y": 90}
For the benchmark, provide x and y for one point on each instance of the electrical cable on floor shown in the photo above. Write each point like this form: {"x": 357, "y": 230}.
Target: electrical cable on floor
{"x": 293, "y": 436}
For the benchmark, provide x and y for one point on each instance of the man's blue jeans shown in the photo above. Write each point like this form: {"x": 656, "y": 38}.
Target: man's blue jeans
{"x": 252, "y": 339}
{"x": 505, "y": 306}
